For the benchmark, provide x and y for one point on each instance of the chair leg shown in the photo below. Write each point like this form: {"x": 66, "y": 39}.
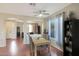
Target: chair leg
{"x": 49, "y": 49}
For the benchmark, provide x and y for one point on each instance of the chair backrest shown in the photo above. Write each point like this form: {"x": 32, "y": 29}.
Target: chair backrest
{"x": 30, "y": 38}
{"x": 45, "y": 36}
{"x": 31, "y": 47}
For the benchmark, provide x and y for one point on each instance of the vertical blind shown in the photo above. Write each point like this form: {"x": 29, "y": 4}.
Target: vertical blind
{"x": 56, "y": 29}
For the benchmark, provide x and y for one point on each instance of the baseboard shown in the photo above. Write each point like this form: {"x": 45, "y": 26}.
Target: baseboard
{"x": 57, "y": 48}
{"x": 10, "y": 39}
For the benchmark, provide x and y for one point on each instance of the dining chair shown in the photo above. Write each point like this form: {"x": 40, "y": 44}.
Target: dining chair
{"x": 31, "y": 45}
{"x": 40, "y": 49}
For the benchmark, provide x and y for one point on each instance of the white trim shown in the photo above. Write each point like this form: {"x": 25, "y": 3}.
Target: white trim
{"x": 56, "y": 47}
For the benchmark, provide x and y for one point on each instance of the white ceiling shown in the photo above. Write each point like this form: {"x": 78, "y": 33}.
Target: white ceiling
{"x": 28, "y": 10}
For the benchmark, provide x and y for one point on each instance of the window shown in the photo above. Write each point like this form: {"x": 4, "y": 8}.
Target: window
{"x": 56, "y": 30}
{"x": 51, "y": 28}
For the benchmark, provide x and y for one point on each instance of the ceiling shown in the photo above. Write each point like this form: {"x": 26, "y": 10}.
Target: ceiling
{"x": 26, "y": 9}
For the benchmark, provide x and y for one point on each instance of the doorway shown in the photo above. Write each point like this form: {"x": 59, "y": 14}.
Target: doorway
{"x": 18, "y": 32}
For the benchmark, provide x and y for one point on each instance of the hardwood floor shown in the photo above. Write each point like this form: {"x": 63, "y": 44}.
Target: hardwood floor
{"x": 17, "y": 48}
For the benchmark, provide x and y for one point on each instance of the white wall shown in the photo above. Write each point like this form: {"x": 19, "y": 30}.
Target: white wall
{"x": 10, "y": 30}
{"x": 2, "y": 33}
{"x": 25, "y": 30}
{"x": 72, "y": 7}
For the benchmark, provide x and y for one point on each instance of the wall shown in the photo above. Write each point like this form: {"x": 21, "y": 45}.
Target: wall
{"x": 72, "y": 7}
{"x": 10, "y": 29}
{"x": 40, "y": 23}
{"x": 12, "y": 34}
{"x": 2, "y": 33}
{"x": 67, "y": 10}
{"x": 25, "y": 30}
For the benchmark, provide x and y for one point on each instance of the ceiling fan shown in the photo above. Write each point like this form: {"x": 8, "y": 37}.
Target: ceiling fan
{"x": 32, "y": 4}
{"x": 38, "y": 12}
{"x": 44, "y": 12}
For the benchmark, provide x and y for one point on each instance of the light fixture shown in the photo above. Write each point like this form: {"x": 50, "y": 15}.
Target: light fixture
{"x": 14, "y": 19}
{"x": 40, "y": 15}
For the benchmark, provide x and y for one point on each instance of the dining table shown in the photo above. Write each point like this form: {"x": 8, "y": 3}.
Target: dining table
{"x": 40, "y": 42}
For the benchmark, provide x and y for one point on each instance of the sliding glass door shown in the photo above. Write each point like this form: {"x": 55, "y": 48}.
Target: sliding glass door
{"x": 56, "y": 31}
